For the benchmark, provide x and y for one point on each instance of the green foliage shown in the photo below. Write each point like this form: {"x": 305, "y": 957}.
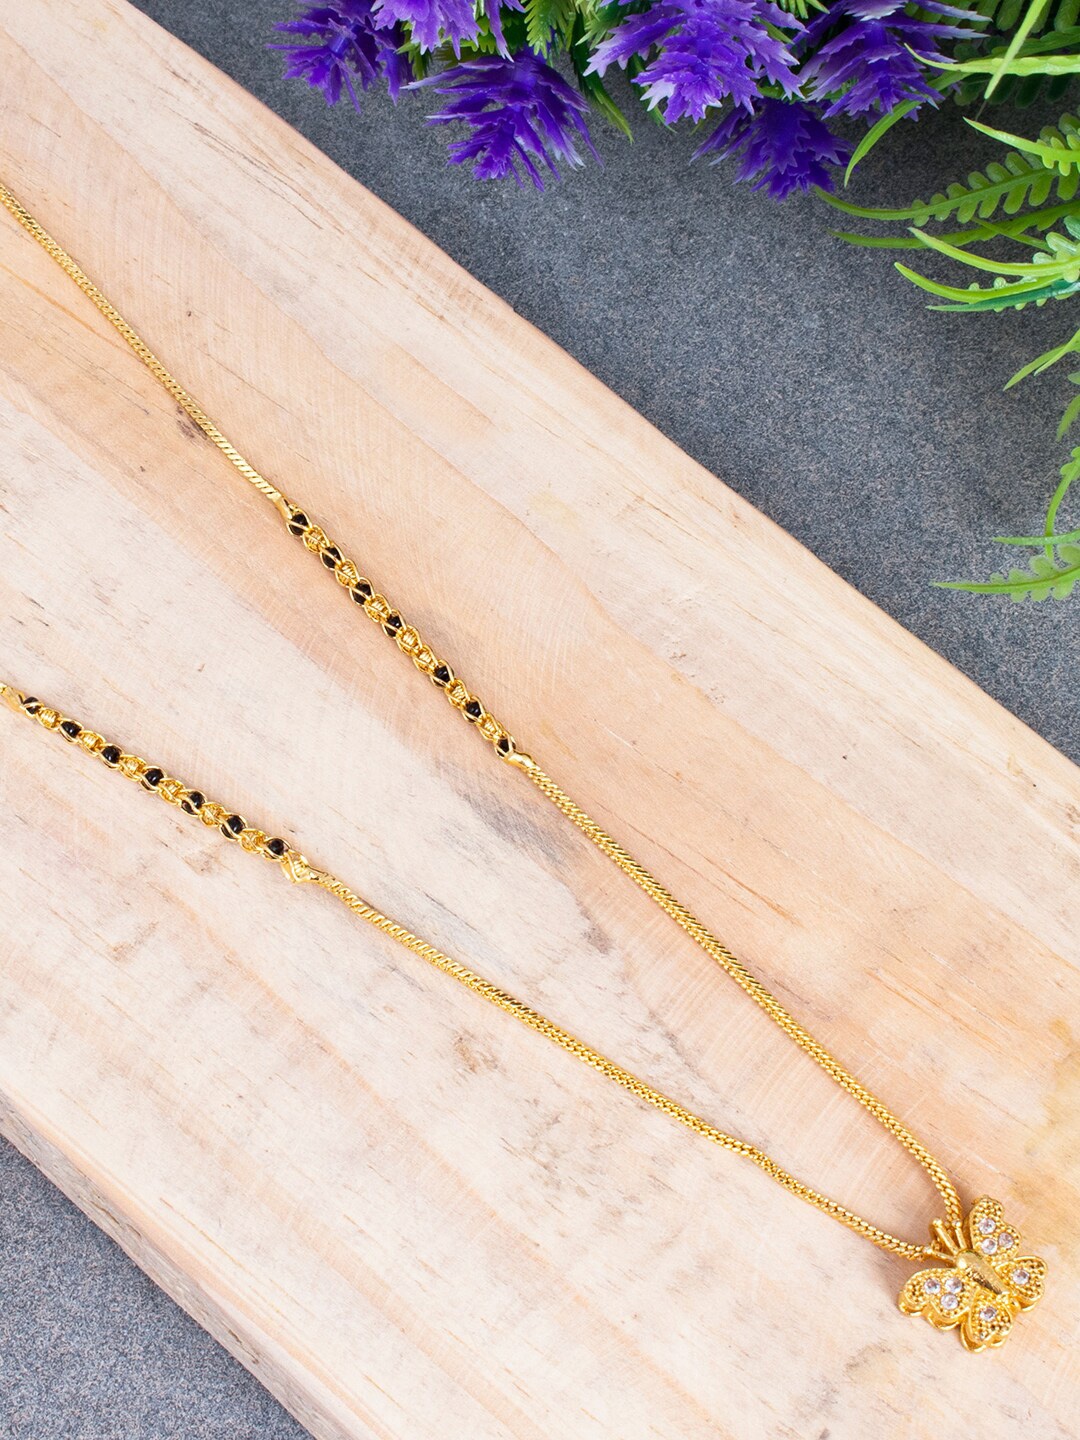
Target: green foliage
{"x": 1050, "y": 27}
{"x": 1057, "y": 148}
{"x": 877, "y": 132}
{"x": 1003, "y": 64}
{"x": 1016, "y": 181}
{"x": 591, "y": 84}
{"x": 1003, "y": 206}
{"x": 801, "y": 8}
{"x": 597, "y": 18}
{"x": 1007, "y": 15}
{"x": 548, "y": 23}
{"x": 1047, "y": 578}
{"x": 1053, "y": 273}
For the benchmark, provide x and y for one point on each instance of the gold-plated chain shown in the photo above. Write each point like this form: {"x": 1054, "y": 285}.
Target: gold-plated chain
{"x": 379, "y": 609}
{"x": 298, "y": 869}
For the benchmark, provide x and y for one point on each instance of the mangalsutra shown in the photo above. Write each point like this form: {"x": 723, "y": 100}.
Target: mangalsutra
{"x": 978, "y": 1281}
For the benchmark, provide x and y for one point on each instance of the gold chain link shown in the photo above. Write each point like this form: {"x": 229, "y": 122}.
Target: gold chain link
{"x": 408, "y": 639}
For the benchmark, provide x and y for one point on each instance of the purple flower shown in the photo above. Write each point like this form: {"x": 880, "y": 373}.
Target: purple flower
{"x": 350, "y": 42}
{"x": 522, "y": 112}
{"x": 705, "y": 51}
{"x": 868, "y": 60}
{"x": 784, "y": 145}
{"x": 432, "y": 21}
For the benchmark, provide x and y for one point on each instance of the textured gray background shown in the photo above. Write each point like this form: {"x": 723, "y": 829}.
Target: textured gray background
{"x": 802, "y": 371}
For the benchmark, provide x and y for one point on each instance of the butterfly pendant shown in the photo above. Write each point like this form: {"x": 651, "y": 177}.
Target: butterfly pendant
{"x": 983, "y": 1281}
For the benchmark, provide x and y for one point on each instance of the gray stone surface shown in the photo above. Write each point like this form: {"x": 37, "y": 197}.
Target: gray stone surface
{"x": 90, "y": 1349}
{"x": 802, "y": 371}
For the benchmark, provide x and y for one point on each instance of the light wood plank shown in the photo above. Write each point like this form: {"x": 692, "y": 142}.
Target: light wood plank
{"x": 410, "y": 1219}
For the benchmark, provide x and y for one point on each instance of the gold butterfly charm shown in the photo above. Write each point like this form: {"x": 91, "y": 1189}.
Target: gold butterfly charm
{"x": 983, "y": 1281}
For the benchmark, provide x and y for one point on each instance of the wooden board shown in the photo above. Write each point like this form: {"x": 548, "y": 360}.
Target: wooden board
{"x": 408, "y": 1216}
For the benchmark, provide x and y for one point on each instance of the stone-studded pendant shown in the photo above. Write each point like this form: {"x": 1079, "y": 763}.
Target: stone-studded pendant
{"x": 983, "y": 1281}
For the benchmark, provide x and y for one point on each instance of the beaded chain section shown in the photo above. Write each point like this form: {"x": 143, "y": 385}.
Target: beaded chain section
{"x": 381, "y": 611}
{"x": 409, "y": 640}
{"x": 257, "y": 842}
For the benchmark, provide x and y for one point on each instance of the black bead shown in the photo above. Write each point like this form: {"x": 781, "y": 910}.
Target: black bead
{"x": 153, "y": 777}
{"x": 393, "y": 623}
{"x": 71, "y": 728}
{"x": 111, "y": 755}
{"x": 31, "y": 705}
{"x": 503, "y": 745}
{"x": 331, "y": 557}
{"x": 299, "y": 523}
{"x": 193, "y": 802}
{"x": 362, "y": 591}
{"x": 276, "y": 848}
{"x": 474, "y": 710}
{"x": 442, "y": 674}
{"x": 232, "y": 826}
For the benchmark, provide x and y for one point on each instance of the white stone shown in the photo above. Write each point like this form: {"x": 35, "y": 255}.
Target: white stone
{"x": 1004, "y": 1240}
{"x": 987, "y": 1313}
{"x": 988, "y": 1246}
{"x": 932, "y": 1286}
{"x": 1021, "y": 1276}
{"x": 986, "y": 1226}
{"x": 949, "y": 1302}
{"x": 954, "y": 1284}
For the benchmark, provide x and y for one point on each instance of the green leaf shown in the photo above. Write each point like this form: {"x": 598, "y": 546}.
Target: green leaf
{"x": 1036, "y": 12}
{"x": 1029, "y": 540}
{"x": 1007, "y": 14}
{"x": 1053, "y": 274}
{"x": 997, "y": 299}
{"x": 1006, "y": 229}
{"x": 1033, "y": 65}
{"x": 1058, "y": 147}
{"x": 875, "y": 133}
{"x": 1045, "y": 360}
{"x": 1063, "y": 262}
{"x": 591, "y": 84}
{"x": 1046, "y": 579}
{"x": 1072, "y": 411}
{"x": 919, "y": 210}
{"x": 1015, "y": 182}
{"x": 1004, "y": 295}
{"x": 546, "y": 20}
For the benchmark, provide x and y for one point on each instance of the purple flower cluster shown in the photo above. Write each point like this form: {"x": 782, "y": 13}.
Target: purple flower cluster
{"x": 705, "y": 52}
{"x": 523, "y": 116}
{"x": 866, "y": 60}
{"x": 344, "y": 41}
{"x": 432, "y": 21}
{"x": 781, "y": 146}
{"x": 776, "y": 80}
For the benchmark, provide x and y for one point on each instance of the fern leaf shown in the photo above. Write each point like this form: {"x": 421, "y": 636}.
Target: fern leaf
{"x": 998, "y": 297}
{"x": 1046, "y": 359}
{"x": 1059, "y": 260}
{"x": 1025, "y": 65}
{"x": 1047, "y": 578}
{"x": 1052, "y": 30}
{"x": 1009, "y": 185}
{"x": 591, "y": 84}
{"x": 1072, "y": 410}
{"x": 1057, "y": 148}
{"x": 1018, "y": 229}
{"x": 546, "y": 19}
{"x": 882, "y": 127}
{"x": 1033, "y": 19}
{"x": 1007, "y": 14}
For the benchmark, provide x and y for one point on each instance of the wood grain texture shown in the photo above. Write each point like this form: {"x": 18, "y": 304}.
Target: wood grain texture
{"x": 410, "y": 1217}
